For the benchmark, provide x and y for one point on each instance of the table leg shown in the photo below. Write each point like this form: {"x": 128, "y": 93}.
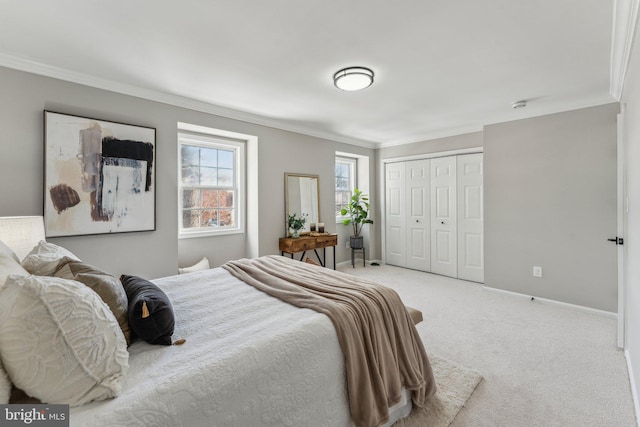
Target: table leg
{"x": 321, "y": 261}
{"x": 334, "y": 257}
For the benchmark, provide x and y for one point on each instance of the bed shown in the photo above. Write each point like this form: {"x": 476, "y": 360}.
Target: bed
{"x": 249, "y": 359}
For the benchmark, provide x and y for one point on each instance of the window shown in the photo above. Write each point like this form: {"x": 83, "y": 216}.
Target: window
{"x": 345, "y": 182}
{"x": 211, "y": 185}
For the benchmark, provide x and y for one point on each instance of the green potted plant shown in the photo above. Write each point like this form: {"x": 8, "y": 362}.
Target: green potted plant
{"x": 357, "y": 215}
{"x": 296, "y": 223}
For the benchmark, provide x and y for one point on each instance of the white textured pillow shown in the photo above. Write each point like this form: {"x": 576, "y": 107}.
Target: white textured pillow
{"x": 203, "y": 264}
{"x": 59, "y": 341}
{"x": 9, "y": 264}
{"x": 45, "y": 258}
{"x": 5, "y": 386}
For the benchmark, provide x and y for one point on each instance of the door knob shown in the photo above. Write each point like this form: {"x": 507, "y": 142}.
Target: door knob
{"x": 442, "y": 223}
{"x": 617, "y": 240}
{"x": 417, "y": 221}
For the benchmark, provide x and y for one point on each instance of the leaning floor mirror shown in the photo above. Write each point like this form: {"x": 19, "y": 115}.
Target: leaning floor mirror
{"x": 302, "y": 197}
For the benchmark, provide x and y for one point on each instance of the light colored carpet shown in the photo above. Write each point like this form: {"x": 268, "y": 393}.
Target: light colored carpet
{"x": 455, "y": 385}
{"x": 542, "y": 365}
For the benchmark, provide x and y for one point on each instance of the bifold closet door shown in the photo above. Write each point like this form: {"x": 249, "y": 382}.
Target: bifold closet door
{"x": 470, "y": 218}
{"x": 418, "y": 222}
{"x": 444, "y": 251}
{"x": 396, "y": 214}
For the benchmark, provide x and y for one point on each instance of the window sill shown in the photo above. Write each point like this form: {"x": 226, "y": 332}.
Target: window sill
{"x": 197, "y": 234}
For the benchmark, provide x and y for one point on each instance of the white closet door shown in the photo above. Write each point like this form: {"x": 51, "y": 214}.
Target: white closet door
{"x": 418, "y": 221}
{"x": 470, "y": 218}
{"x": 444, "y": 253}
{"x": 396, "y": 214}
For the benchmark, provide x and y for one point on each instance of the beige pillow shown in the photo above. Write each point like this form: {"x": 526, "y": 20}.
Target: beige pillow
{"x": 9, "y": 264}
{"x": 45, "y": 258}
{"x": 105, "y": 285}
{"x": 59, "y": 342}
{"x": 203, "y": 264}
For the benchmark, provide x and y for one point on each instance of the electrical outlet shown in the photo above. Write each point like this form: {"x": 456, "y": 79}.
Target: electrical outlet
{"x": 346, "y": 244}
{"x": 537, "y": 271}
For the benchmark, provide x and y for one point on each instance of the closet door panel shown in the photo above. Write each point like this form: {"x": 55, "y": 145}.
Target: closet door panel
{"x": 470, "y": 217}
{"x": 396, "y": 213}
{"x": 444, "y": 252}
{"x": 418, "y": 224}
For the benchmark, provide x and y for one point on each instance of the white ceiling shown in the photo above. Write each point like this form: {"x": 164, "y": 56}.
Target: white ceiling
{"x": 442, "y": 66}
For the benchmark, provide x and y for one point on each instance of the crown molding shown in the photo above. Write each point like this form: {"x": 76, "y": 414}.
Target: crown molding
{"x": 625, "y": 17}
{"x": 34, "y": 67}
{"x": 442, "y": 133}
{"x": 508, "y": 116}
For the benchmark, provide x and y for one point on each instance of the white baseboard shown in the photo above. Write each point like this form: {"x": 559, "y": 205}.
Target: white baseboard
{"x": 634, "y": 390}
{"x": 590, "y": 310}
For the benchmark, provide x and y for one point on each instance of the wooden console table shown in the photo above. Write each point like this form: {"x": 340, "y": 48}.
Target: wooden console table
{"x": 306, "y": 243}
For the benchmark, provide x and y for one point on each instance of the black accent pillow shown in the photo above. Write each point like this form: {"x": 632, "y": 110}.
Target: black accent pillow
{"x": 150, "y": 312}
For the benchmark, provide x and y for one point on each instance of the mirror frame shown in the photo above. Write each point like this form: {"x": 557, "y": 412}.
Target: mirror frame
{"x": 286, "y": 198}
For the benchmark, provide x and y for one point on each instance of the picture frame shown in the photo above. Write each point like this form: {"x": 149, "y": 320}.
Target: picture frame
{"x": 99, "y": 176}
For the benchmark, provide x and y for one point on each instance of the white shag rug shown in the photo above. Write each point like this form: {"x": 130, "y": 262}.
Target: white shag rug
{"x": 455, "y": 385}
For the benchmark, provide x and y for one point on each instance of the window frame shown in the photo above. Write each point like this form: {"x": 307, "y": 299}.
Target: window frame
{"x": 213, "y": 142}
{"x": 353, "y": 182}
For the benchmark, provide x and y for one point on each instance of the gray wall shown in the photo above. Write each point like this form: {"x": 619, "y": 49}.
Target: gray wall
{"x": 457, "y": 142}
{"x": 158, "y": 253}
{"x": 550, "y": 201}
{"x": 631, "y": 100}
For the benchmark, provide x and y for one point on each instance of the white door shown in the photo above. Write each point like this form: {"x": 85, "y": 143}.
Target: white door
{"x": 395, "y": 210}
{"x": 444, "y": 253}
{"x": 470, "y": 218}
{"x": 418, "y": 223}
{"x": 621, "y": 226}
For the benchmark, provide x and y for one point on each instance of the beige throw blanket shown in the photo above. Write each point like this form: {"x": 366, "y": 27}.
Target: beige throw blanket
{"x": 381, "y": 346}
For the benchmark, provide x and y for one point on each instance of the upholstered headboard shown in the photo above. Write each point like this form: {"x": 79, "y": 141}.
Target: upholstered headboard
{"x": 21, "y": 233}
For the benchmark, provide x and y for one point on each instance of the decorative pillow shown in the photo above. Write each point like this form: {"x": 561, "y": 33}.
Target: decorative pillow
{"x": 105, "y": 285}
{"x": 203, "y": 264}
{"x": 9, "y": 264}
{"x": 5, "y": 386}
{"x": 150, "y": 311}
{"x": 59, "y": 342}
{"x": 45, "y": 258}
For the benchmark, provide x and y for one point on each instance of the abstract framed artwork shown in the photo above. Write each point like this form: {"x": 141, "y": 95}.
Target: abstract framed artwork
{"x": 99, "y": 176}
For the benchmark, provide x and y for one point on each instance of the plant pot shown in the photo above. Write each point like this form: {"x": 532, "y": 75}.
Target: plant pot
{"x": 295, "y": 233}
{"x": 356, "y": 242}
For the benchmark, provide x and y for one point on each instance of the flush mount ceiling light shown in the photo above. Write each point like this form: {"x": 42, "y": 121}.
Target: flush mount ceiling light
{"x": 353, "y": 78}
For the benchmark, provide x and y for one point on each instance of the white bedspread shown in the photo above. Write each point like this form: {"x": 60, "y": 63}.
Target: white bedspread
{"x": 249, "y": 360}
